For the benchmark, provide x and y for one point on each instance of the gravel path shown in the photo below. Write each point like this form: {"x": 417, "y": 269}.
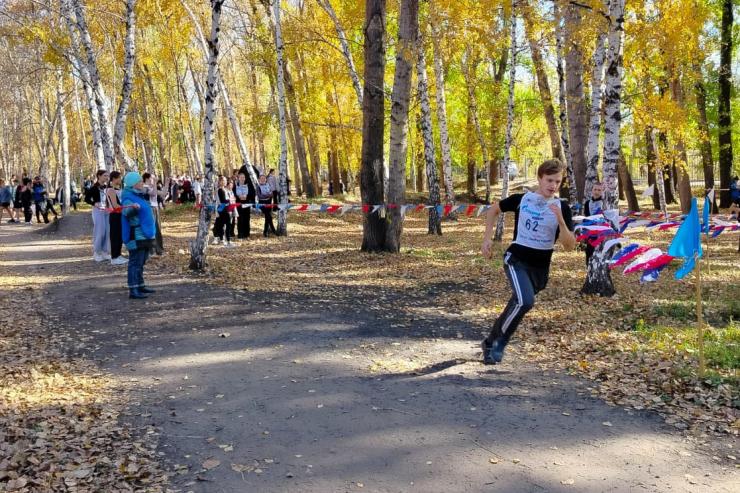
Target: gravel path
{"x": 252, "y": 393}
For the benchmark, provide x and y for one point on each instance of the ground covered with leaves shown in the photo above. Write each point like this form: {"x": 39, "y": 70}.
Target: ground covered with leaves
{"x": 59, "y": 415}
{"x": 638, "y": 347}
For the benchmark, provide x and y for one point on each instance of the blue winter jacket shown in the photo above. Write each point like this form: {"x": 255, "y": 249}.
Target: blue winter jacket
{"x": 137, "y": 224}
{"x": 38, "y": 193}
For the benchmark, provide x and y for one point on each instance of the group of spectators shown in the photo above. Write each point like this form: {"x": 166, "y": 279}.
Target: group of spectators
{"x": 236, "y": 197}
{"x": 21, "y": 197}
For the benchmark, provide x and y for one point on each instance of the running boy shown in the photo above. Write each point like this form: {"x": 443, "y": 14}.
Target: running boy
{"x": 540, "y": 218}
{"x": 593, "y": 206}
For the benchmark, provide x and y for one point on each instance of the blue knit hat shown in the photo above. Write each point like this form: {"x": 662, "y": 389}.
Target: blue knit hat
{"x": 131, "y": 179}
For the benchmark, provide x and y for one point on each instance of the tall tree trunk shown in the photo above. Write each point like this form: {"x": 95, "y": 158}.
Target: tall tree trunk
{"x": 652, "y": 165}
{"x": 444, "y": 137}
{"x": 373, "y": 125}
{"x": 199, "y": 245}
{"x": 594, "y": 129}
{"x": 577, "y": 111}
{"x": 101, "y": 100}
{"x": 161, "y": 148}
{"x": 682, "y": 167}
{"x": 705, "y": 144}
{"x": 435, "y": 221}
{"x": 569, "y": 186}
{"x": 309, "y": 185}
{"x": 326, "y": 5}
{"x": 408, "y": 27}
{"x": 598, "y": 278}
{"x": 470, "y": 153}
{"x": 127, "y": 87}
{"x": 543, "y": 85}
{"x": 724, "y": 119}
{"x": 499, "y": 234}
{"x": 625, "y": 178}
{"x": 612, "y": 104}
{"x": 469, "y": 67}
{"x": 83, "y": 75}
{"x": 282, "y": 227}
{"x": 63, "y": 144}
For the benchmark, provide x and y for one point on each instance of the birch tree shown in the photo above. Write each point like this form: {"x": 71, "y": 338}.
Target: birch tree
{"x": 408, "y": 25}
{"x": 101, "y": 100}
{"x": 282, "y": 228}
{"x": 435, "y": 221}
{"x": 439, "y": 92}
{"x": 567, "y": 156}
{"x": 469, "y": 67}
{"x": 199, "y": 245}
{"x": 499, "y": 234}
{"x": 598, "y": 278}
{"x": 612, "y": 103}
{"x": 724, "y": 109}
{"x": 326, "y": 5}
{"x": 119, "y": 131}
{"x": 594, "y": 128}
{"x": 63, "y": 144}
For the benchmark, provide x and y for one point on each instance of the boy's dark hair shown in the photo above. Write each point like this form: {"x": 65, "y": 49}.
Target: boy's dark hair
{"x": 146, "y": 176}
{"x": 100, "y": 173}
{"x": 26, "y": 180}
{"x": 115, "y": 174}
{"x": 550, "y": 167}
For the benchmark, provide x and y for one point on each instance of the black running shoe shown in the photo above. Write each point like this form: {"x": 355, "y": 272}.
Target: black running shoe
{"x": 487, "y": 353}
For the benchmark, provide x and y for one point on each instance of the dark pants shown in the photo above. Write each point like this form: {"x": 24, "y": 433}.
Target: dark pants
{"x": 589, "y": 253}
{"x": 242, "y": 222}
{"x": 136, "y": 260}
{"x": 50, "y": 207}
{"x": 267, "y": 211}
{"x": 116, "y": 239}
{"x": 41, "y": 211}
{"x": 223, "y": 225}
{"x": 526, "y": 281}
{"x": 27, "y": 213}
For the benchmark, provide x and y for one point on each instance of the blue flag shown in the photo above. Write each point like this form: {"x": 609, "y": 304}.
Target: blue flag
{"x": 687, "y": 242}
{"x": 705, "y": 215}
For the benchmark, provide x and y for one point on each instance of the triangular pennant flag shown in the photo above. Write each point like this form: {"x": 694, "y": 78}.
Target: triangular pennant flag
{"x": 651, "y": 275}
{"x": 469, "y": 210}
{"x": 705, "y": 215}
{"x": 648, "y": 191}
{"x": 643, "y": 260}
{"x": 376, "y": 208}
{"x": 482, "y": 209}
{"x": 687, "y": 241}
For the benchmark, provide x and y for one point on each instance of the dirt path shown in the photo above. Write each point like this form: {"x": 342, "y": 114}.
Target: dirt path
{"x": 301, "y": 395}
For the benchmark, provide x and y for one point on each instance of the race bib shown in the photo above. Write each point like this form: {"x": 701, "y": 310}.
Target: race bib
{"x": 537, "y": 224}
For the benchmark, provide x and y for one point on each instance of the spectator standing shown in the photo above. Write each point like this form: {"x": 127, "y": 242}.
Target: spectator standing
{"x": 138, "y": 228}
{"x": 101, "y": 227}
{"x": 113, "y": 196}
{"x": 242, "y": 193}
{"x": 272, "y": 181}
{"x": 264, "y": 194}
{"x": 6, "y": 199}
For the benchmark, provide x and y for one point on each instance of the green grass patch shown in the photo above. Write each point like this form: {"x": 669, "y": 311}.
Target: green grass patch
{"x": 679, "y": 310}
{"x": 721, "y": 345}
{"x": 429, "y": 253}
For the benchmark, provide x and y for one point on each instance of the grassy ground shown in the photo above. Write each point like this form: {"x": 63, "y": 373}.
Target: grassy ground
{"x": 639, "y": 346}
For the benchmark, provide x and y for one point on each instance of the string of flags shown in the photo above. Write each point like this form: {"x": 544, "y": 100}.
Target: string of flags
{"x": 645, "y": 259}
{"x": 342, "y": 209}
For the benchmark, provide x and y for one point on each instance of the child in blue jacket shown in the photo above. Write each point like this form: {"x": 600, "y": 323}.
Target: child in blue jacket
{"x": 138, "y": 230}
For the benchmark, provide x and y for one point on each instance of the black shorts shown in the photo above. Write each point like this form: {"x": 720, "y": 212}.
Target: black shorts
{"x": 4, "y": 204}
{"x": 17, "y": 205}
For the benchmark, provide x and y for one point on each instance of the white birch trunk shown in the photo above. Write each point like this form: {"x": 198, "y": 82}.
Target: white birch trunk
{"x": 282, "y": 226}
{"x": 127, "y": 87}
{"x": 235, "y": 125}
{"x": 563, "y": 103}
{"x": 476, "y": 123}
{"x": 199, "y": 245}
{"x": 101, "y": 100}
{"x": 499, "y": 234}
{"x": 444, "y": 137}
{"x": 408, "y": 33}
{"x": 83, "y": 75}
{"x": 594, "y": 128}
{"x": 435, "y": 223}
{"x": 326, "y": 5}
{"x": 63, "y": 144}
{"x": 598, "y": 279}
{"x": 612, "y": 103}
